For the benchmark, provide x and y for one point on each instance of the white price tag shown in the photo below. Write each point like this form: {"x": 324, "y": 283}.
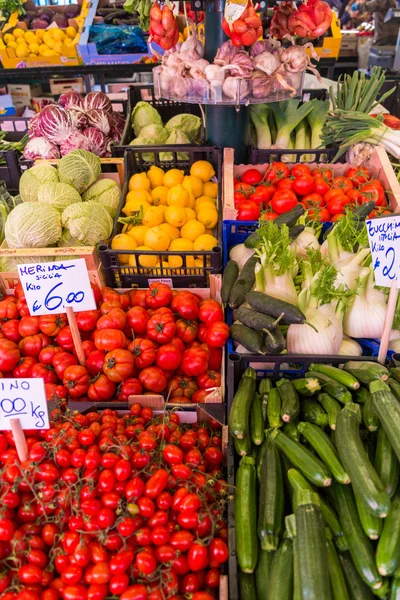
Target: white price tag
{"x": 384, "y": 241}
{"x": 50, "y": 288}
{"x": 23, "y": 399}
{"x": 166, "y": 280}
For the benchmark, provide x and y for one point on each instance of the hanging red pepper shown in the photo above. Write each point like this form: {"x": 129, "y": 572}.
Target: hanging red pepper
{"x": 246, "y": 29}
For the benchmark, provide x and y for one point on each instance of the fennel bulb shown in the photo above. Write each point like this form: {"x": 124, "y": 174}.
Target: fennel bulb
{"x": 277, "y": 286}
{"x": 349, "y": 267}
{"x": 240, "y": 254}
{"x": 395, "y": 345}
{"x": 326, "y": 340}
{"x": 350, "y": 347}
{"x": 306, "y": 240}
{"x": 365, "y": 316}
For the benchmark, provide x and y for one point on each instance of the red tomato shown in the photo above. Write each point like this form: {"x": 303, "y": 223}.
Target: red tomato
{"x": 195, "y": 361}
{"x": 300, "y": 169}
{"x": 118, "y": 365}
{"x": 109, "y": 339}
{"x": 251, "y": 176}
{"x": 283, "y": 201}
{"x": 303, "y": 185}
{"x": 181, "y": 386}
{"x": 268, "y": 216}
{"x": 321, "y": 186}
{"x": 186, "y": 305}
{"x": 210, "y": 312}
{"x": 64, "y": 339}
{"x": 320, "y": 214}
{"x": 8, "y": 310}
{"x": 343, "y": 183}
{"x": 263, "y": 194}
{"x": 238, "y": 197}
{"x": 325, "y": 172}
{"x": 144, "y": 352}
{"x": 52, "y": 324}
{"x": 48, "y": 353}
{"x": 285, "y": 183}
{"x": 76, "y": 380}
{"x": 334, "y": 194}
{"x": 62, "y": 360}
{"x": 29, "y": 326}
{"x": 102, "y": 388}
{"x": 168, "y": 357}
{"x": 153, "y": 379}
{"x": 207, "y": 380}
{"x": 336, "y": 206}
{"x": 186, "y": 330}
{"x": 354, "y": 196}
{"x": 55, "y": 393}
{"x": 218, "y": 551}
{"x": 243, "y": 188}
{"x": 129, "y": 387}
{"x": 158, "y": 294}
{"x": 314, "y": 200}
{"x": 10, "y": 331}
{"x": 276, "y": 171}
{"x": 161, "y": 328}
{"x": 45, "y": 372}
{"x": 197, "y": 557}
{"x": 24, "y": 367}
{"x": 248, "y": 210}
{"x": 32, "y": 345}
{"x": 95, "y": 361}
{"x": 358, "y": 174}
{"x": 114, "y": 319}
{"x": 9, "y": 355}
{"x": 86, "y": 320}
{"x": 137, "y": 319}
{"x": 217, "y": 334}
{"x": 373, "y": 191}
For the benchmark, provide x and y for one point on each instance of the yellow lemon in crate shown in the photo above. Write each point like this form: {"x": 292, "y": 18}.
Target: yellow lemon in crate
{"x": 12, "y": 45}
{"x": 173, "y": 177}
{"x": 137, "y": 233}
{"x": 42, "y": 49}
{"x": 156, "y": 176}
{"x": 205, "y": 243}
{"x": 34, "y": 48}
{"x": 18, "y": 33}
{"x": 58, "y": 47}
{"x": 178, "y": 196}
{"x": 190, "y": 213}
{"x": 193, "y": 183}
{"x": 8, "y": 37}
{"x": 139, "y": 195}
{"x": 204, "y": 200}
{"x": 180, "y": 245}
{"x": 71, "y": 32}
{"x": 170, "y": 230}
{"x": 147, "y": 261}
{"x": 40, "y": 33}
{"x": 57, "y": 34}
{"x": 176, "y": 216}
{"x": 153, "y": 216}
{"x": 162, "y": 269}
{"x": 160, "y": 195}
{"x": 31, "y": 37}
{"x": 134, "y": 206}
{"x": 208, "y": 216}
{"x": 157, "y": 239}
{"x": 22, "y": 51}
{"x": 192, "y": 230}
{"x": 123, "y": 241}
{"x": 139, "y": 181}
{"x": 211, "y": 189}
{"x": 21, "y": 41}
{"x": 203, "y": 170}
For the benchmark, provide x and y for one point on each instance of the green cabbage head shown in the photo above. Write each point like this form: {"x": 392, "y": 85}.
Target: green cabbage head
{"x": 33, "y": 178}
{"x": 58, "y": 195}
{"x": 144, "y": 114}
{"x": 105, "y": 191}
{"x": 80, "y": 169}
{"x": 67, "y": 241}
{"x": 89, "y": 222}
{"x": 33, "y": 225}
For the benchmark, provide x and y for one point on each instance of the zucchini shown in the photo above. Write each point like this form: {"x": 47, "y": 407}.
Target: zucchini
{"x": 324, "y": 449}
{"x": 311, "y": 548}
{"x": 365, "y": 480}
{"x": 371, "y": 524}
{"x": 336, "y": 576}
{"x": 274, "y": 342}
{"x": 271, "y": 499}
{"x": 296, "y": 578}
{"x": 263, "y": 572}
{"x": 357, "y": 588}
{"x": 388, "y": 411}
{"x": 388, "y": 550}
{"x": 386, "y": 463}
{"x": 281, "y": 578}
{"x": 395, "y": 591}
{"x": 394, "y": 387}
{"x": 261, "y": 456}
{"x": 243, "y": 446}
{"x": 307, "y": 463}
{"x": 249, "y": 338}
{"x": 274, "y": 409}
{"x": 295, "y": 231}
{"x": 264, "y": 389}
{"x": 332, "y": 408}
{"x": 247, "y": 586}
{"x": 336, "y": 374}
{"x": 332, "y": 387}
{"x": 230, "y": 275}
{"x": 265, "y": 386}
{"x": 244, "y": 283}
{"x": 362, "y": 395}
{"x": 255, "y": 320}
{"x": 290, "y": 218}
{"x": 256, "y": 421}
{"x": 360, "y": 546}
{"x": 246, "y": 515}
{"x": 268, "y": 305}
{"x": 241, "y": 404}
{"x": 366, "y": 372}
{"x": 252, "y": 240}
{"x": 290, "y": 429}
{"x": 395, "y": 373}
{"x": 369, "y": 416}
{"x": 313, "y": 412}
{"x": 306, "y": 386}
{"x": 290, "y": 401}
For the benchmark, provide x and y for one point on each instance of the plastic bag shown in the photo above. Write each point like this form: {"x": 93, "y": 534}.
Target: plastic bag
{"x": 114, "y": 39}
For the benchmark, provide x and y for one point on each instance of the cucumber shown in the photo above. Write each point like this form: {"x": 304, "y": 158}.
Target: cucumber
{"x": 261, "y": 456}
{"x": 243, "y": 446}
{"x": 336, "y": 576}
{"x": 311, "y": 548}
{"x": 388, "y": 550}
{"x": 249, "y": 338}
{"x": 290, "y": 401}
{"x": 247, "y": 586}
{"x": 295, "y": 231}
{"x": 395, "y": 591}
{"x": 394, "y": 386}
{"x": 255, "y": 320}
{"x": 240, "y": 409}
{"x": 332, "y": 387}
{"x": 243, "y": 283}
{"x": 371, "y": 524}
{"x": 268, "y": 305}
{"x": 324, "y": 449}
{"x": 360, "y": 546}
{"x": 290, "y": 429}
{"x": 313, "y": 412}
{"x": 306, "y": 386}
{"x": 256, "y": 421}
{"x": 386, "y": 463}
{"x": 332, "y": 408}
{"x": 281, "y": 578}
{"x": 274, "y": 409}
{"x": 291, "y": 217}
{"x": 336, "y": 374}
{"x": 263, "y": 572}
{"x": 274, "y": 342}
{"x": 388, "y": 410}
{"x": 271, "y": 500}
{"x": 395, "y": 373}
{"x": 366, "y": 372}
{"x": 264, "y": 389}
{"x": 307, "y": 463}
{"x": 357, "y": 588}
{"x": 369, "y": 416}
{"x": 362, "y": 395}
{"x": 230, "y": 275}
{"x": 365, "y": 480}
{"x": 246, "y": 515}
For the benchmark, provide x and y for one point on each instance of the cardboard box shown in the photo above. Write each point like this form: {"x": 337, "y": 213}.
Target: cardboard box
{"x": 60, "y": 86}
{"x": 22, "y": 94}
{"x": 7, "y": 107}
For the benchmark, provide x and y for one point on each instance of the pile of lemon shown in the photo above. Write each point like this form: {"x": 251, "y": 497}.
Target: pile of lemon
{"x": 40, "y": 42}
{"x": 179, "y": 213}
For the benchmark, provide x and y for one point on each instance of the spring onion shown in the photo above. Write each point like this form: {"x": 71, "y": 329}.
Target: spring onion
{"x": 358, "y": 92}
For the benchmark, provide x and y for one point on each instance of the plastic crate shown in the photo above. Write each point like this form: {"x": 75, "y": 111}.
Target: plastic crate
{"x": 119, "y": 275}
{"x": 323, "y": 155}
{"x": 10, "y": 169}
{"x": 166, "y": 108}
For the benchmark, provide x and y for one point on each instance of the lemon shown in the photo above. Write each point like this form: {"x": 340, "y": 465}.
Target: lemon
{"x": 172, "y": 232}
{"x": 22, "y": 51}
{"x": 205, "y": 243}
{"x": 152, "y": 217}
{"x": 40, "y": 33}
{"x": 18, "y": 33}
{"x": 173, "y": 177}
{"x": 8, "y": 37}
{"x": 143, "y": 259}
{"x": 137, "y": 233}
{"x": 156, "y": 176}
{"x": 161, "y": 269}
{"x": 46, "y": 37}
{"x": 34, "y": 48}
{"x": 49, "y": 52}
{"x": 157, "y": 239}
{"x": 208, "y": 216}
{"x": 57, "y": 34}
{"x": 58, "y": 47}
{"x": 139, "y": 195}
{"x": 139, "y": 181}
{"x": 159, "y": 195}
{"x": 50, "y": 43}
{"x": 12, "y": 45}
{"x": 180, "y": 245}
{"x": 122, "y": 241}
{"x": 21, "y": 41}
{"x": 193, "y": 183}
{"x": 31, "y": 38}
{"x": 68, "y": 42}
{"x": 42, "y": 49}
{"x": 31, "y": 55}
{"x": 210, "y": 189}
{"x": 71, "y": 32}
{"x": 162, "y": 210}
{"x": 192, "y": 229}
{"x": 134, "y": 206}
{"x": 190, "y": 213}
{"x": 176, "y": 216}
{"x": 204, "y": 200}
{"x": 203, "y": 170}
{"x": 178, "y": 196}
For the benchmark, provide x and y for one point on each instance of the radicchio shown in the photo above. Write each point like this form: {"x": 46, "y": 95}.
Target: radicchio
{"x": 54, "y": 124}
{"x": 39, "y": 147}
{"x": 79, "y": 120}
{"x": 100, "y": 119}
{"x": 71, "y": 98}
{"x": 98, "y": 142}
{"x": 75, "y": 141}
{"x": 117, "y": 127}
{"x": 98, "y": 100}
{"x": 33, "y": 127}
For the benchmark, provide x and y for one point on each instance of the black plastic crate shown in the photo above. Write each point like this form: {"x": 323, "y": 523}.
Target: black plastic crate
{"x": 321, "y": 155}
{"x": 119, "y": 275}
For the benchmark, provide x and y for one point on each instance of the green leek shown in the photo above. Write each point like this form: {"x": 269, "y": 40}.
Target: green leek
{"x": 259, "y": 118}
{"x": 287, "y": 116}
{"x": 317, "y": 119}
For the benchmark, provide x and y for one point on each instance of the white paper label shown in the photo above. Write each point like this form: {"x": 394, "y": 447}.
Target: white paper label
{"x": 166, "y": 280}
{"x": 384, "y": 241}
{"x": 52, "y": 287}
{"x": 23, "y": 399}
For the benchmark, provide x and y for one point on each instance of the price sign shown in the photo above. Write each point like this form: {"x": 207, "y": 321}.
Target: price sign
{"x": 54, "y": 287}
{"x": 25, "y": 400}
{"x": 384, "y": 241}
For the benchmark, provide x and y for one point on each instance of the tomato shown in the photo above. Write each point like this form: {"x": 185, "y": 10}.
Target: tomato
{"x": 314, "y": 200}
{"x": 24, "y": 367}
{"x": 186, "y": 305}
{"x": 33, "y": 344}
{"x": 276, "y": 171}
{"x": 334, "y": 194}
{"x": 95, "y": 361}
{"x": 114, "y": 319}
{"x": 182, "y": 386}
{"x": 9, "y": 355}
{"x": 129, "y": 387}
{"x": 144, "y": 352}
{"x": 243, "y": 188}
{"x": 109, "y": 339}
{"x": 28, "y": 326}
{"x": 51, "y": 324}
{"x": 75, "y": 592}
{"x": 251, "y": 176}
{"x": 87, "y": 319}
{"x": 6, "y": 530}
{"x": 62, "y": 360}
{"x": 325, "y": 172}
{"x": 210, "y": 379}
{"x": 153, "y": 379}
{"x": 45, "y": 372}
{"x": 343, "y": 183}
{"x": 238, "y": 197}
{"x": 137, "y": 591}
{"x": 336, "y": 206}
{"x": 322, "y": 214}
{"x": 8, "y": 310}
{"x": 248, "y": 210}
{"x": 373, "y": 191}
{"x": 76, "y": 380}
{"x": 210, "y": 311}
{"x": 303, "y": 185}
{"x": 168, "y": 357}
{"x": 358, "y": 174}
{"x": 158, "y": 294}
{"x": 194, "y": 361}
{"x": 10, "y": 330}
{"x": 354, "y": 196}
{"x": 213, "y": 577}
{"x": 197, "y": 557}
{"x": 48, "y": 353}
{"x": 320, "y": 185}
{"x": 300, "y": 169}
{"x": 101, "y": 388}
{"x": 161, "y": 328}
{"x": 263, "y": 194}
{"x": 186, "y": 330}
{"x": 118, "y": 365}
{"x": 217, "y": 334}
{"x": 283, "y": 201}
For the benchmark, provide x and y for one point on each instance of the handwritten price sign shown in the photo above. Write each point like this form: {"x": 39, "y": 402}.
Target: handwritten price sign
{"x": 51, "y": 288}
{"x": 23, "y": 399}
{"x": 384, "y": 241}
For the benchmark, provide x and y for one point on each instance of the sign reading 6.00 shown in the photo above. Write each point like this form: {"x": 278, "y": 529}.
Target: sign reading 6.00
{"x": 52, "y": 287}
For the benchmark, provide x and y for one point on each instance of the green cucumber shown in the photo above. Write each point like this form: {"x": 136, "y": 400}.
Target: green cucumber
{"x": 290, "y": 401}
{"x": 274, "y": 409}
{"x": 303, "y": 459}
{"x": 274, "y": 307}
{"x": 247, "y": 586}
{"x": 388, "y": 411}
{"x": 324, "y": 449}
{"x": 336, "y": 576}
{"x": 261, "y": 456}
{"x": 336, "y": 374}
{"x": 369, "y": 416}
{"x": 244, "y": 283}
{"x": 263, "y": 572}
{"x": 256, "y": 421}
{"x": 271, "y": 499}
{"x": 313, "y": 412}
{"x": 394, "y": 386}
{"x": 274, "y": 342}
{"x": 362, "y": 395}
{"x": 386, "y": 463}
{"x": 281, "y": 578}
{"x": 365, "y": 480}
{"x": 248, "y": 338}
{"x": 360, "y": 546}
{"x": 230, "y": 275}
{"x": 332, "y": 387}
{"x": 388, "y": 550}
{"x": 395, "y": 591}
{"x": 371, "y": 524}
{"x": 296, "y": 577}
{"x": 241, "y": 405}
{"x": 246, "y": 515}
{"x": 290, "y": 429}
{"x": 332, "y": 408}
{"x": 311, "y": 548}
{"x": 291, "y": 217}
{"x": 356, "y": 586}
{"x": 306, "y": 386}
{"x": 395, "y": 373}
{"x": 264, "y": 389}
{"x": 255, "y": 320}
{"x": 366, "y": 372}
{"x": 243, "y": 446}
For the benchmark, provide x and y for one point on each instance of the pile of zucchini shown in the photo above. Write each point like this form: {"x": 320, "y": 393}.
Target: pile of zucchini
{"x": 317, "y": 500}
